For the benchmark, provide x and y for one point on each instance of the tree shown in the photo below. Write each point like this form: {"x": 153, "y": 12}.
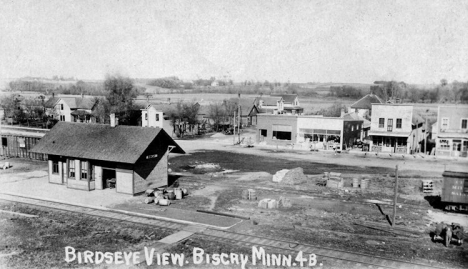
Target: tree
{"x": 443, "y": 82}
{"x": 332, "y": 111}
{"x": 217, "y": 114}
{"x": 10, "y": 104}
{"x": 120, "y": 93}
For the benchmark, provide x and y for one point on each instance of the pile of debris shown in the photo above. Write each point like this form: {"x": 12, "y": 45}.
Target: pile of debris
{"x": 203, "y": 168}
{"x": 163, "y": 196}
{"x": 290, "y": 177}
{"x": 5, "y": 166}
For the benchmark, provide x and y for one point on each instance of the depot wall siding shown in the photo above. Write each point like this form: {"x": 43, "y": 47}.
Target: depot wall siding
{"x": 98, "y": 177}
{"x": 124, "y": 181}
{"x": 150, "y": 170}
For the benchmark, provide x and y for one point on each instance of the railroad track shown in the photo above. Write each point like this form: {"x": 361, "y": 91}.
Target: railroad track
{"x": 324, "y": 254}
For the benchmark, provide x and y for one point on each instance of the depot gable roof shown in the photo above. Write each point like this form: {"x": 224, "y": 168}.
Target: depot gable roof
{"x": 124, "y": 144}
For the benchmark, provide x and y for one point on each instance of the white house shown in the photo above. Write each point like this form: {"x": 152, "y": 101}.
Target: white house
{"x": 395, "y": 128}
{"x": 150, "y": 117}
{"x": 156, "y": 115}
{"x": 71, "y": 109}
{"x": 364, "y": 105}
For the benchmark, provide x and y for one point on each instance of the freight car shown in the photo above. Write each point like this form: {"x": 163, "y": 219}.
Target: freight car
{"x": 455, "y": 191}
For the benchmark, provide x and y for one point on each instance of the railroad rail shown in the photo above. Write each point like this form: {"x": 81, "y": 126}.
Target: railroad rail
{"x": 324, "y": 254}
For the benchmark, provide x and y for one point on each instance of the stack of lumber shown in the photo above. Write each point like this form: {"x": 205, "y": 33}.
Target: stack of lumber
{"x": 334, "y": 180}
{"x": 249, "y": 194}
{"x": 268, "y": 203}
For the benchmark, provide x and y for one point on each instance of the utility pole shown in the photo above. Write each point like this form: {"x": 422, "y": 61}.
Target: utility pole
{"x": 238, "y": 122}
{"x": 234, "y": 127}
{"x": 396, "y": 196}
{"x": 425, "y": 137}
{"x": 238, "y": 115}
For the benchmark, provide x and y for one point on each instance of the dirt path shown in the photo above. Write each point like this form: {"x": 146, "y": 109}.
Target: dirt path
{"x": 418, "y": 166}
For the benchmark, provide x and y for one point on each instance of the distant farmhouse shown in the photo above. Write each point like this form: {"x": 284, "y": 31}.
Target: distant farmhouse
{"x": 71, "y": 109}
{"x": 97, "y": 156}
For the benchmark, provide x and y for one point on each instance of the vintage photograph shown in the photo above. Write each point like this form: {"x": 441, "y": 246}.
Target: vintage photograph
{"x": 239, "y": 134}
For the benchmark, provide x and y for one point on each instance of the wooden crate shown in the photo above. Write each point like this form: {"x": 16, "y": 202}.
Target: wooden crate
{"x": 427, "y": 186}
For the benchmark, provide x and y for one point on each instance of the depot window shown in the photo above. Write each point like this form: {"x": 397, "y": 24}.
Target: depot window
{"x": 71, "y": 168}
{"x": 84, "y": 170}
{"x": 55, "y": 167}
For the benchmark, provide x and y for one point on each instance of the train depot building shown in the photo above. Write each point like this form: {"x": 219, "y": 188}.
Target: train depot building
{"x": 90, "y": 157}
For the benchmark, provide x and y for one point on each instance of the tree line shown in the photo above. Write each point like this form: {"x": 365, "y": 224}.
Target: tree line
{"x": 455, "y": 92}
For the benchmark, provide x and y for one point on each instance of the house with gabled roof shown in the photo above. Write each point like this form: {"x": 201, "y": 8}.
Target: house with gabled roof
{"x": 290, "y": 103}
{"x": 71, "y": 109}
{"x": 90, "y": 157}
{"x": 363, "y": 106}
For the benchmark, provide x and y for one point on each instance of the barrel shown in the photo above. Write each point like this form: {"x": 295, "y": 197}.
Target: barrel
{"x": 149, "y": 192}
{"x": 7, "y": 164}
{"x": 355, "y": 182}
{"x": 184, "y": 192}
{"x": 158, "y": 193}
{"x": 170, "y": 195}
{"x": 164, "y": 202}
{"x": 178, "y": 194}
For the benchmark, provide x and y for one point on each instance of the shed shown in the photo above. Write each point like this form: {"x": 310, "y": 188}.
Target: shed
{"x": 94, "y": 157}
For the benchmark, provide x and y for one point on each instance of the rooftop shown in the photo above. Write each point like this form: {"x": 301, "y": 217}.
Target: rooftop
{"x": 287, "y": 98}
{"x": 123, "y": 144}
{"x": 366, "y": 102}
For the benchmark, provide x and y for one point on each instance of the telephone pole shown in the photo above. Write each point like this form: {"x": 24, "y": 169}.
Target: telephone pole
{"x": 395, "y": 197}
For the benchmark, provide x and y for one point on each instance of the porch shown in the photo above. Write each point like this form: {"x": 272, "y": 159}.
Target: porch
{"x": 389, "y": 144}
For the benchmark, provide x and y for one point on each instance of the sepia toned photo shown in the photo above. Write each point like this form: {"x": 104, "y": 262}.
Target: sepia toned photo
{"x": 239, "y": 134}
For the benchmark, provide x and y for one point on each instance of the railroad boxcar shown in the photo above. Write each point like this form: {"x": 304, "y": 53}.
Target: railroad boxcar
{"x": 455, "y": 191}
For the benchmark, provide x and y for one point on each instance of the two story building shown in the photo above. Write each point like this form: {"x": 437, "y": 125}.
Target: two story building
{"x": 395, "y": 128}
{"x": 270, "y": 104}
{"x": 452, "y": 131}
{"x": 290, "y": 103}
{"x": 71, "y": 109}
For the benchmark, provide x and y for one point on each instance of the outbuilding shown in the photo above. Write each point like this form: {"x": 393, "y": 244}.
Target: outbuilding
{"x": 90, "y": 157}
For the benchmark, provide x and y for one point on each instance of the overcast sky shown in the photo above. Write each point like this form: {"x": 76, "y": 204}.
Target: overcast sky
{"x": 300, "y": 41}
